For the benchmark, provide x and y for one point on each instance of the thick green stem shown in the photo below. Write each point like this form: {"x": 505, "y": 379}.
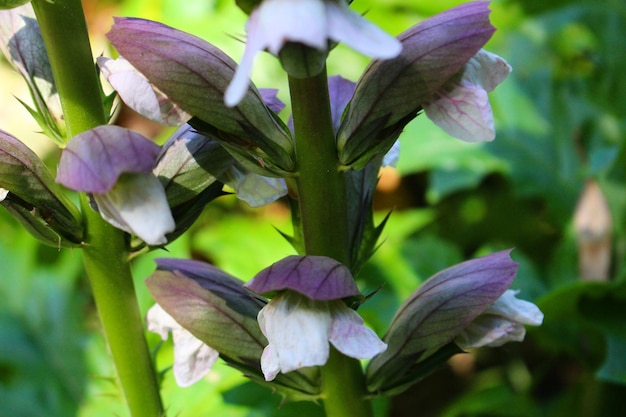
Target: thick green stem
{"x": 105, "y": 256}
{"x": 324, "y": 213}
{"x": 343, "y": 387}
{"x": 321, "y": 186}
{"x": 106, "y": 263}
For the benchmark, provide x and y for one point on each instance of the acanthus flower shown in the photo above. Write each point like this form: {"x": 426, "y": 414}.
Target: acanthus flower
{"x": 193, "y": 359}
{"x": 308, "y": 313}
{"x": 115, "y": 165}
{"x": 310, "y": 22}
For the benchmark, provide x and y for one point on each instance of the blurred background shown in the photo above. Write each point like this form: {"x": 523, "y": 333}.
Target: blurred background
{"x": 552, "y": 185}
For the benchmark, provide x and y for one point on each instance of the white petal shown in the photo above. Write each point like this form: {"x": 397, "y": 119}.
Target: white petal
{"x": 137, "y": 204}
{"x": 159, "y": 322}
{"x": 487, "y": 70}
{"x": 3, "y": 193}
{"x": 241, "y": 80}
{"x": 514, "y": 309}
{"x": 269, "y": 26}
{"x": 297, "y": 330}
{"x": 490, "y": 331}
{"x": 137, "y": 92}
{"x": 463, "y": 109}
{"x": 254, "y": 189}
{"x": 192, "y": 358}
{"x": 392, "y": 156}
{"x": 502, "y": 322}
{"x": 351, "y": 337}
{"x": 464, "y": 113}
{"x": 349, "y": 27}
{"x": 270, "y": 365}
{"x": 301, "y": 21}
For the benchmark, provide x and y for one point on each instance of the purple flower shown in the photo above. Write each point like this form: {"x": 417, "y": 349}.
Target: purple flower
{"x": 392, "y": 92}
{"x": 502, "y": 322}
{"x": 433, "y": 316}
{"x": 308, "y": 313}
{"x": 461, "y": 106}
{"x": 312, "y": 23}
{"x": 115, "y": 165}
{"x": 192, "y": 357}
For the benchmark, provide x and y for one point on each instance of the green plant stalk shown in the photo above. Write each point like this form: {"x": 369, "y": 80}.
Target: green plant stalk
{"x": 105, "y": 255}
{"x": 323, "y": 206}
{"x": 321, "y": 186}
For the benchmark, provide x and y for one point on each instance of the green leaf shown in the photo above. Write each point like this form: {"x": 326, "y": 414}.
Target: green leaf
{"x": 42, "y": 328}
{"x": 588, "y": 308}
{"x": 454, "y": 164}
{"x": 9, "y": 4}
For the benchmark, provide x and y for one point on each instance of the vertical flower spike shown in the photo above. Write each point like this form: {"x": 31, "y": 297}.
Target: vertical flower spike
{"x": 308, "y": 313}
{"x": 312, "y": 23}
{"x": 115, "y": 165}
{"x": 462, "y": 107}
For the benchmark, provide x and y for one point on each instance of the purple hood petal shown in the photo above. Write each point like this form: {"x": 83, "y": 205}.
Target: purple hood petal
{"x": 317, "y": 277}
{"x": 93, "y": 160}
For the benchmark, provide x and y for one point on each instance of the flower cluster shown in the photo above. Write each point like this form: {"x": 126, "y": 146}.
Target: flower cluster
{"x": 281, "y": 325}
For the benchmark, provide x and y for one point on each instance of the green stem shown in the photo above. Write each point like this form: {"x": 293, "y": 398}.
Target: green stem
{"x": 321, "y": 186}
{"x": 106, "y": 263}
{"x": 323, "y": 206}
{"x": 343, "y": 387}
{"x": 64, "y": 32}
{"x": 105, "y": 255}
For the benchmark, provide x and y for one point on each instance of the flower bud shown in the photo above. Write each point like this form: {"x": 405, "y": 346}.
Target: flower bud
{"x": 30, "y": 194}
{"x": 22, "y": 45}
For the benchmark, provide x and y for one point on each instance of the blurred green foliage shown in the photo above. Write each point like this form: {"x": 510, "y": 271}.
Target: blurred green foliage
{"x": 560, "y": 120}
